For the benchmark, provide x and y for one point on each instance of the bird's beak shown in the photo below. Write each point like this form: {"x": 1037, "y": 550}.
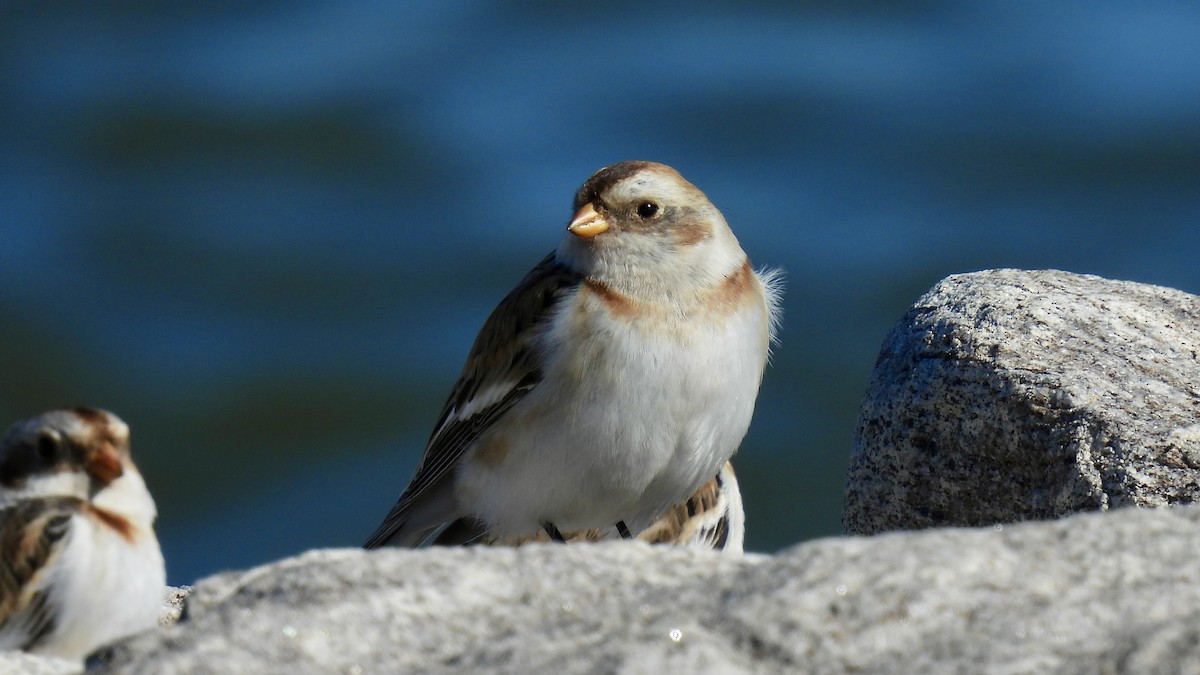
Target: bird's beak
{"x": 587, "y": 223}
{"x": 104, "y": 465}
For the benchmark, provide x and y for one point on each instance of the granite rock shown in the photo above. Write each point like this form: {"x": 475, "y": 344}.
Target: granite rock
{"x": 1115, "y": 592}
{"x": 1007, "y": 395}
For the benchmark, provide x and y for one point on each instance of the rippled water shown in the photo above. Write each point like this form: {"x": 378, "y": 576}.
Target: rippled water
{"x": 266, "y": 236}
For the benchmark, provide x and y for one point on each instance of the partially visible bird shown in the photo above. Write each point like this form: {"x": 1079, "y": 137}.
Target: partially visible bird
{"x": 712, "y": 517}
{"x": 79, "y": 563}
{"x": 612, "y": 382}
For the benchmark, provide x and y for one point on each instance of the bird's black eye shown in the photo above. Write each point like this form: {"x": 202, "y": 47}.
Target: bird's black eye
{"x": 647, "y": 210}
{"x": 47, "y": 447}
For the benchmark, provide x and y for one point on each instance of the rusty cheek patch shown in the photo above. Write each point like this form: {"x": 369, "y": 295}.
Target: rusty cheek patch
{"x": 104, "y": 465}
{"x": 689, "y": 230}
{"x": 103, "y": 447}
{"x": 111, "y": 520}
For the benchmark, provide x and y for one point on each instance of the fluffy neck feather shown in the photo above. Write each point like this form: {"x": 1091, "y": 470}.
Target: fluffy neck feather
{"x": 127, "y": 496}
{"x": 653, "y": 269}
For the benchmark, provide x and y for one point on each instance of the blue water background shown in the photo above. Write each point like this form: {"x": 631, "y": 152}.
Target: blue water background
{"x": 266, "y": 233}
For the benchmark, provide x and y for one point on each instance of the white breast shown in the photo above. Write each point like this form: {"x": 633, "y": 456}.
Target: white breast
{"x": 103, "y": 586}
{"x": 625, "y": 423}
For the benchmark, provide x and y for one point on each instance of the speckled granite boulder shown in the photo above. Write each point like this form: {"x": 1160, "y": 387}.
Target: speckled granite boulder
{"x": 1116, "y": 592}
{"x": 1007, "y": 395}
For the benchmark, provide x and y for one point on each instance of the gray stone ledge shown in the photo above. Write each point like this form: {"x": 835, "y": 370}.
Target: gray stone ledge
{"x": 1114, "y": 592}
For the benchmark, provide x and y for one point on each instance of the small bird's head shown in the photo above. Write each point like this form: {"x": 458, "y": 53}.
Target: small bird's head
{"x": 643, "y": 219}
{"x": 76, "y": 440}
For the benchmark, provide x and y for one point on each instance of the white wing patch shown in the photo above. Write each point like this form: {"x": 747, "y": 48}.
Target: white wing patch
{"x": 482, "y": 400}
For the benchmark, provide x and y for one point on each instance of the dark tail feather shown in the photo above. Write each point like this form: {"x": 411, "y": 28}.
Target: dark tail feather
{"x": 462, "y": 532}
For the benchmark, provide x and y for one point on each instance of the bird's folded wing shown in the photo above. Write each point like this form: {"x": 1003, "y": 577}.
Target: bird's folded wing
{"x": 32, "y": 537}
{"x": 502, "y": 368}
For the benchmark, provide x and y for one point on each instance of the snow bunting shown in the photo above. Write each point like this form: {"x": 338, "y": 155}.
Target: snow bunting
{"x": 711, "y": 518}
{"x": 617, "y": 378}
{"x": 81, "y": 564}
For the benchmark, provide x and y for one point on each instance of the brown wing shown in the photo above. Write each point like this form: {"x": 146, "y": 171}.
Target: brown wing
{"x": 32, "y": 535}
{"x": 501, "y": 369}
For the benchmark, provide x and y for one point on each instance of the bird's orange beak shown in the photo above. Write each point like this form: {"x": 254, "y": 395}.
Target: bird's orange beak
{"x": 587, "y": 223}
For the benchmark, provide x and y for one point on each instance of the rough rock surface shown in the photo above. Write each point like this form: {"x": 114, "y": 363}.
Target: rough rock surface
{"x": 1114, "y": 592}
{"x": 20, "y": 663}
{"x": 1007, "y": 395}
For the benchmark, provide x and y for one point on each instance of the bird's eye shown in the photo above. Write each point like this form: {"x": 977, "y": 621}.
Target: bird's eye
{"x": 47, "y": 447}
{"x": 647, "y": 210}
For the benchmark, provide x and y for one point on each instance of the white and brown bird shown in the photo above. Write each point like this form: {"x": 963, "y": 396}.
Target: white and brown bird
{"x": 80, "y": 564}
{"x": 713, "y": 517}
{"x": 614, "y": 381}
